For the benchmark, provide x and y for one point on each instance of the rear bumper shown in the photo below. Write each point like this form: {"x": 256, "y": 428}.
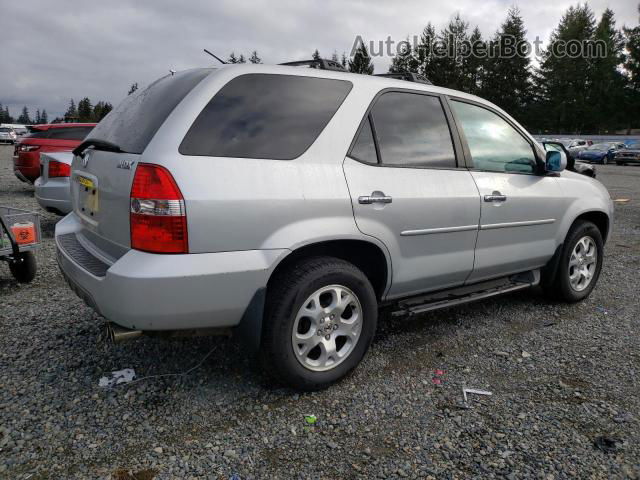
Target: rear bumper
{"x": 147, "y": 291}
{"x": 54, "y": 193}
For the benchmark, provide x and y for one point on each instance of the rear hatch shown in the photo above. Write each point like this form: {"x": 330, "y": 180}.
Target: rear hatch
{"x": 104, "y": 164}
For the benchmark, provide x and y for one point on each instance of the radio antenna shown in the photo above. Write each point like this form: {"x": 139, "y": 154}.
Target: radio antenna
{"x": 214, "y": 56}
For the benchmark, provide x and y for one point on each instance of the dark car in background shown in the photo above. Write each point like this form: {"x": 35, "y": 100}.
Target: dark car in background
{"x": 600, "y": 152}
{"x": 57, "y": 137}
{"x": 631, "y": 154}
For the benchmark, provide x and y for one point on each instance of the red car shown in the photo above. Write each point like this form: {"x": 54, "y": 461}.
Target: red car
{"x": 54, "y": 137}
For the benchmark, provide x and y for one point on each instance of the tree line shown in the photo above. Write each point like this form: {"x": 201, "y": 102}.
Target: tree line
{"x": 24, "y": 118}
{"x": 575, "y": 94}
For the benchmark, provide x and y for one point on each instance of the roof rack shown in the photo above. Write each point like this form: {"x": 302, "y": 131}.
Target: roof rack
{"x": 320, "y": 63}
{"x": 408, "y": 76}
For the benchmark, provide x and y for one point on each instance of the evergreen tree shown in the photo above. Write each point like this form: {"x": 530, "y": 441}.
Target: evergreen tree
{"x": 361, "y": 62}
{"x": 606, "y": 94}
{"x": 632, "y": 71}
{"x": 563, "y": 82}
{"x": 37, "y": 120}
{"x": 232, "y": 58}
{"x": 447, "y": 63}
{"x": 2, "y": 120}
{"x": 404, "y": 61}
{"x": 334, "y": 57}
{"x": 507, "y": 77}
{"x": 100, "y": 110}
{"x": 44, "y": 118}
{"x": 241, "y": 59}
{"x": 133, "y": 88}
{"x": 316, "y": 55}
{"x": 24, "y": 116}
{"x": 7, "y": 116}
{"x": 255, "y": 58}
{"x": 72, "y": 112}
{"x": 474, "y": 63}
{"x": 424, "y": 54}
{"x": 343, "y": 60}
{"x": 85, "y": 110}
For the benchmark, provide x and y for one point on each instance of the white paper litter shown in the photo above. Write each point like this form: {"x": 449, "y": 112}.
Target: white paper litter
{"x": 473, "y": 390}
{"x": 118, "y": 377}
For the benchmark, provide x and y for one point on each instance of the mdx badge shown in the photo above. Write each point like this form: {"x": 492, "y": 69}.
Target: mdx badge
{"x": 125, "y": 164}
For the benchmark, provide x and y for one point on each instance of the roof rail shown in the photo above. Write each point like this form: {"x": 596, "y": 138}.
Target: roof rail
{"x": 320, "y": 63}
{"x": 408, "y": 76}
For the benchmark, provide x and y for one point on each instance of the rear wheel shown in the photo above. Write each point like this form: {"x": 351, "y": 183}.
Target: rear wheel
{"x": 24, "y": 267}
{"x": 579, "y": 265}
{"x": 320, "y": 318}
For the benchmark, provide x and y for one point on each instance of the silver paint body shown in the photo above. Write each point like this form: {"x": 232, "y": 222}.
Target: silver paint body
{"x": 246, "y": 215}
{"x": 53, "y": 192}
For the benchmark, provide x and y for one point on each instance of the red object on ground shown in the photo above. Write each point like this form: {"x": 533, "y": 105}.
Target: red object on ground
{"x": 55, "y": 137}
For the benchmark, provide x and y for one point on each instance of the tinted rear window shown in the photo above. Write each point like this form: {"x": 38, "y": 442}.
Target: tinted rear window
{"x": 69, "y": 133}
{"x": 37, "y": 134}
{"x": 265, "y": 116}
{"x": 134, "y": 122}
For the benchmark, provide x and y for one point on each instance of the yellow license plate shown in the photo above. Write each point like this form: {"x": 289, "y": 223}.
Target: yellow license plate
{"x": 86, "y": 182}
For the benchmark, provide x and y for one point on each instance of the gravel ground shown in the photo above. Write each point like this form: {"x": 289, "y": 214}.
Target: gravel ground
{"x": 564, "y": 380}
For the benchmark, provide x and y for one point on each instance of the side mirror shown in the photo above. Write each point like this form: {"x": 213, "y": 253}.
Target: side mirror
{"x": 556, "y": 161}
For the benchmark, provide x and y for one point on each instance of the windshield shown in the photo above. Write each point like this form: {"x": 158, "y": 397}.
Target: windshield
{"x": 134, "y": 122}
{"x": 600, "y": 146}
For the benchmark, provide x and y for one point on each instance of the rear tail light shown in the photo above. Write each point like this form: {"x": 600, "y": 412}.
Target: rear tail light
{"x": 59, "y": 169}
{"x": 29, "y": 148}
{"x": 157, "y": 216}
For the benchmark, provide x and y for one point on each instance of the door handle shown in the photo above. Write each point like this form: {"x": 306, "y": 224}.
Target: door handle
{"x": 495, "y": 197}
{"x": 375, "y": 197}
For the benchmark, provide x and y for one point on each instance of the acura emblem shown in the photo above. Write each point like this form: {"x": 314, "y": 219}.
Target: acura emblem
{"x": 85, "y": 160}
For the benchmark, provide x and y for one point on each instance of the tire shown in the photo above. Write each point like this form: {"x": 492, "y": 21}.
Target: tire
{"x": 561, "y": 287}
{"x": 605, "y": 160}
{"x": 24, "y": 268}
{"x": 292, "y": 289}
{"x": 619, "y": 163}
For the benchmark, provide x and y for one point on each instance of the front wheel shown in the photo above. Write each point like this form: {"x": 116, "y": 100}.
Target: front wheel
{"x": 605, "y": 160}
{"x": 320, "y": 318}
{"x": 579, "y": 265}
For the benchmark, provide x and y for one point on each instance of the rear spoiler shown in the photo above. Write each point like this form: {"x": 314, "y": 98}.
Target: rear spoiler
{"x": 97, "y": 145}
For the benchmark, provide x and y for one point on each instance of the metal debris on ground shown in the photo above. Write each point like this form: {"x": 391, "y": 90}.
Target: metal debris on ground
{"x": 622, "y": 200}
{"x": 475, "y": 392}
{"x": 120, "y": 376}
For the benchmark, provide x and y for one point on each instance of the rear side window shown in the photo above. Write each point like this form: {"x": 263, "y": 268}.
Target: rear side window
{"x": 5, "y": 129}
{"x": 134, "y": 122}
{"x": 365, "y": 148}
{"x": 70, "y": 133}
{"x": 412, "y": 130}
{"x": 265, "y": 116}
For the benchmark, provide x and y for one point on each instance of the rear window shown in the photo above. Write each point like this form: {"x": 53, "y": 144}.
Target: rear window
{"x": 37, "y": 134}
{"x": 134, "y": 122}
{"x": 69, "y": 133}
{"x": 5, "y": 129}
{"x": 265, "y": 116}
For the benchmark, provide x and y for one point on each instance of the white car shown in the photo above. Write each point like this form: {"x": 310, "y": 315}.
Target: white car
{"x": 7, "y": 135}
{"x": 52, "y": 187}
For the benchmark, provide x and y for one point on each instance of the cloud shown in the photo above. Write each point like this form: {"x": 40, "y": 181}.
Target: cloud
{"x": 54, "y": 51}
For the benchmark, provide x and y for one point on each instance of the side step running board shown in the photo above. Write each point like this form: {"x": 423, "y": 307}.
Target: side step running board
{"x": 465, "y": 294}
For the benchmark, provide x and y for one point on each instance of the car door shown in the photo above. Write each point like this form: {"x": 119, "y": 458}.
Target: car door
{"x": 520, "y": 208}
{"x": 408, "y": 192}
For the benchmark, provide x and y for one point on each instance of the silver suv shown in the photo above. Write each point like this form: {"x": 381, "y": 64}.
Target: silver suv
{"x": 288, "y": 204}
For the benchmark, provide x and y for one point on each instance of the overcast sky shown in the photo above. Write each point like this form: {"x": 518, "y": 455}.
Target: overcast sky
{"x": 55, "y": 50}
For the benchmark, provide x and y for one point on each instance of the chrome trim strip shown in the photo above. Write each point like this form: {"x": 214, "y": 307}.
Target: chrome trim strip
{"x": 493, "y": 226}
{"x": 429, "y": 231}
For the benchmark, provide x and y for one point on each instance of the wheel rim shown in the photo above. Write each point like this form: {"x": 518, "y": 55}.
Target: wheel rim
{"x": 582, "y": 264}
{"x": 327, "y": 328}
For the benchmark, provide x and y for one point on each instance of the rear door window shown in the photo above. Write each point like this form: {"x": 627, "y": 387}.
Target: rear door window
{"x": 134, "y": 122}
{"x": 365, "y": 148}
{"x": 412, "y": 131}
{"x": 265, "y": 116}
{"x": 70, "y": 133}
